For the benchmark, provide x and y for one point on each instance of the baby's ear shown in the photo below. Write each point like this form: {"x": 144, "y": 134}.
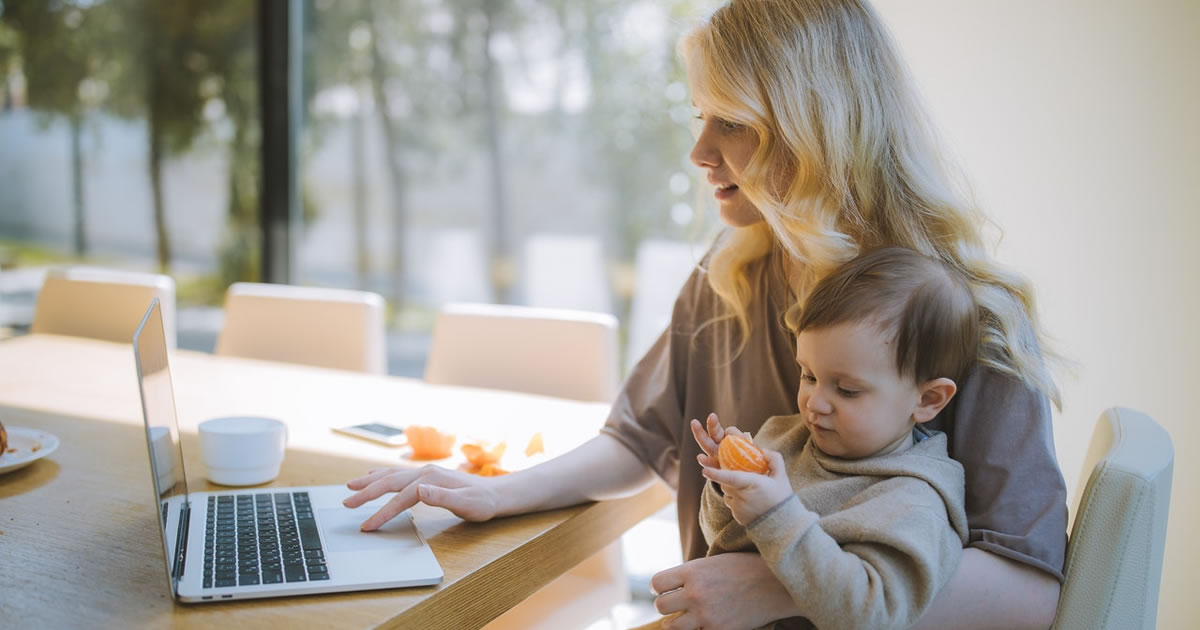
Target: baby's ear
{"x": 935, "y": 394}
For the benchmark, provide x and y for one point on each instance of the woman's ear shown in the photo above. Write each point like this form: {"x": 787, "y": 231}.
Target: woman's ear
{"x": 935, "y": 394}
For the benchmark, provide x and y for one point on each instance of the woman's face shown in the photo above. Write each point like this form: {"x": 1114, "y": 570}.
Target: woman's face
{"x": 723, "y": 149}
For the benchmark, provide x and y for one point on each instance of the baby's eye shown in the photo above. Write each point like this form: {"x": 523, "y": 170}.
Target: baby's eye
{"x": 848, "y": 393}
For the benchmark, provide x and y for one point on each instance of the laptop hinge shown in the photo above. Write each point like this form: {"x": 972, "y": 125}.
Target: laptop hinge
{"x": 181, "y": 539}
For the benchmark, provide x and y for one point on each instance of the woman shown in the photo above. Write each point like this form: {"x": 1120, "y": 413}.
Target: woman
{"x": 817, "y": 146}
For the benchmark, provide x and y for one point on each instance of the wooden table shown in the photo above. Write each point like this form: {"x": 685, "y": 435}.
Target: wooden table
{"x": 78, "y": 539}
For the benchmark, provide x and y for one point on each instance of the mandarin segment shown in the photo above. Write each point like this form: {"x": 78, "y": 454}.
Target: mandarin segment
{"x": 737, "y": 452}
{"x": 428, "y": 442}
{"x": 479, "y": 455}
{"x": 536, "y": 446}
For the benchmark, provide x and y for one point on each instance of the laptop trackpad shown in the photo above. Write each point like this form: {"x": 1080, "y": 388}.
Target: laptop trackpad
{"x": 340, "y": 527}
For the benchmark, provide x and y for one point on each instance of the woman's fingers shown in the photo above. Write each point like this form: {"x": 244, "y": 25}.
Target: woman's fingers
{"x": 468, "y": 502}
{"x": 467, "y": 496}
{"x": 370, "y": 477}
{"x": 403, "y": 500}
{"x": 684, "y": 620}
{"x": 666, "y": 581}
{"x": 369, "y": 486}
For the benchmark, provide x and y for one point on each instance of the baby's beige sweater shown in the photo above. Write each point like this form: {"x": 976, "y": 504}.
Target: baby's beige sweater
{"x": 863, "y": 543}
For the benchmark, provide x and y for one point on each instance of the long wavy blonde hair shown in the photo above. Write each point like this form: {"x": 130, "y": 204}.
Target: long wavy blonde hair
{"x": 838, "y": 121}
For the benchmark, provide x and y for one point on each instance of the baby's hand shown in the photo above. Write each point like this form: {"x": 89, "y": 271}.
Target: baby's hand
{"x": 749, "y": 495}
{"x": 709, "y": 439}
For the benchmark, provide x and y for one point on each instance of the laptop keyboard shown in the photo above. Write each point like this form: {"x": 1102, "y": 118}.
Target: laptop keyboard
{"x": 261, "y": 538}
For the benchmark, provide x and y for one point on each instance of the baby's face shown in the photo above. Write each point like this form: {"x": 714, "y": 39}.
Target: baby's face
{"x": 852, "y": 396}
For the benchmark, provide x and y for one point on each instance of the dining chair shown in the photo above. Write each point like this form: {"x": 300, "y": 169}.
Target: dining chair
{"x": 565, "y": 271}
{"x": 1115, "y": 551}
{"x": 334, "y": 328}
{"x": 553, "y": 352}
{"x": 661, "y": 267}
{"x": 101, "y": 303}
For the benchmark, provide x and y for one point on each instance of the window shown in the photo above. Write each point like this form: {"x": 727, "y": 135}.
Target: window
{"x": 450, "y": 150}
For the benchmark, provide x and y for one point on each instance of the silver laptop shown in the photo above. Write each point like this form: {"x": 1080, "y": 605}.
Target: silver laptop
{"x": 261, "y": 542}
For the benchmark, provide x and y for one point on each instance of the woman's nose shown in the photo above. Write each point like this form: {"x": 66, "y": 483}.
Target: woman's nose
{"x": 704, "y": 154}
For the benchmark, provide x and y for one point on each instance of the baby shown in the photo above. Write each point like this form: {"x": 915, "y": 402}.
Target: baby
{"x": 860, "y": 514}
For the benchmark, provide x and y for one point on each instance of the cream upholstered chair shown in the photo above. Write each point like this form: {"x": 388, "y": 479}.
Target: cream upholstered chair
{"x": 1115, "y": 553}
{"x": 564, "y": 353}
{"x": 660, "y": 268}
{"x": 556, "y": 352}
{"x": 334, "y": 328}
{"x": 101, "y": 303}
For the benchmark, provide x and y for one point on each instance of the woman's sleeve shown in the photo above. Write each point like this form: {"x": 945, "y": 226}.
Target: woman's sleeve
{"x": 1016, "y": 498}
{"x": 647, "y": 416}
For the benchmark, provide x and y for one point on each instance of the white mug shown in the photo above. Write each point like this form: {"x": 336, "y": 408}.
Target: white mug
{"x": 243, "y": 450}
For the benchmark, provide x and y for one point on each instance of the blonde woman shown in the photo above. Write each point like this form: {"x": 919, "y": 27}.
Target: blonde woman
{"x": 817, "y": 148}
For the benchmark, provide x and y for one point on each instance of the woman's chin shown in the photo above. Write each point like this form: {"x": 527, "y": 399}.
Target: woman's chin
{"x": 738, "y": 213}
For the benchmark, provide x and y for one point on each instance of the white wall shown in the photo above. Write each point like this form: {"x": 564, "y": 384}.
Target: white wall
{"x": 1078, "y": 122}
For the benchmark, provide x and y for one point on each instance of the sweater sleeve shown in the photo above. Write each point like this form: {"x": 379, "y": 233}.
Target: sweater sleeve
{"x": 897, "y": 552}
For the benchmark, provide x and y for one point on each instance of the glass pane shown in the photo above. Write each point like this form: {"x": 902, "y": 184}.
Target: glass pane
{"x": 513, "y": 151}
{"x": 129, "y": 138}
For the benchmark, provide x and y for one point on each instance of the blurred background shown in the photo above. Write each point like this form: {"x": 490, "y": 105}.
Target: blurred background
{"x": 517, "y": 152}
{"x": 534, "y": 151}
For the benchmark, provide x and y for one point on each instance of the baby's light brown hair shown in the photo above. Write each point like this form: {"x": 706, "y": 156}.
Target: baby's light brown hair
{"x": 923, "y": 305}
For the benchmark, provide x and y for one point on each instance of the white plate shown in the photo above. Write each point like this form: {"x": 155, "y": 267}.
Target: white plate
{"x": 26, "y": 446}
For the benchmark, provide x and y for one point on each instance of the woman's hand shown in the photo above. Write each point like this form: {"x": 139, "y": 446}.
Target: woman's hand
{"x": 469, "y": 497}
{"x": 734, "y": 591}
{"x": 749, "y": 495}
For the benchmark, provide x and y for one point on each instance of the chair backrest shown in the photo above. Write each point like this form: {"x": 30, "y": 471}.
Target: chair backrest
{"x": 565, "y": 271}
{"x": 1115, "y": 553}
{"x": 335, "y": 328}
{"x": 554, "y": 352}
{"x": 660, "y": 269}
{"x": 102, "y": 303}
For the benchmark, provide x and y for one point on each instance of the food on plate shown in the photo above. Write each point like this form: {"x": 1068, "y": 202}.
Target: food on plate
{"x": 535, "y": 446}
{"x": 737, "y": 452}
{"x": 479, "y": 455}
{"x": 428, "y": 442}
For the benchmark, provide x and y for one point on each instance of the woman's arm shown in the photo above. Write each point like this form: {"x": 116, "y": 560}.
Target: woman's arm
{"x": 601, "y": 468}
{"x": 990, "y": 591}
{"x": 738, "y": 590}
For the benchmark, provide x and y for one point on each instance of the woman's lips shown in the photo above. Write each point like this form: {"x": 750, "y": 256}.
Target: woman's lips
{"x": 725, "y": 192}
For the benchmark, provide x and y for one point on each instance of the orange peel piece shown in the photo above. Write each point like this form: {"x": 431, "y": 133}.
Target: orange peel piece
{"x": 535, "y": 446}
{"x": 428, "y": 442}
{"x": 479, "y": 455}
{"x": 490, "y": 470}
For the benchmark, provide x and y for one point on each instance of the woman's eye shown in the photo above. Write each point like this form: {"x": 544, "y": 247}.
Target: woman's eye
{"x": 807, "y": 377}
{"x": 728, "y": 125}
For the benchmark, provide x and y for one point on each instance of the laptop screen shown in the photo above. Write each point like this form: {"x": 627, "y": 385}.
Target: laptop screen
{"x": 162, "y": 427}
